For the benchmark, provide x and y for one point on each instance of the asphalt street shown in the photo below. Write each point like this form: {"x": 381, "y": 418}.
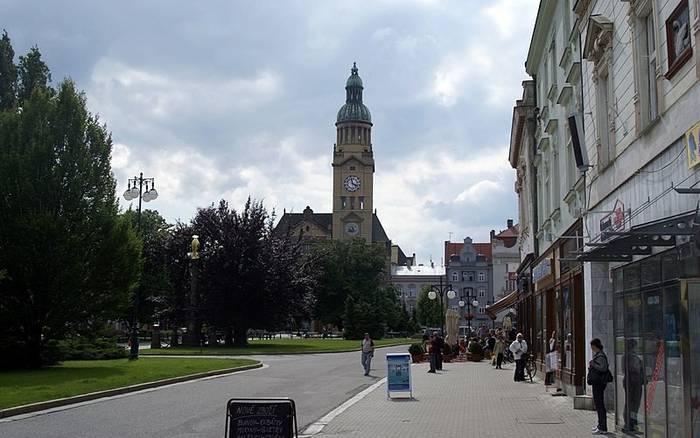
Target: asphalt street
{"x": 317, "y": 383}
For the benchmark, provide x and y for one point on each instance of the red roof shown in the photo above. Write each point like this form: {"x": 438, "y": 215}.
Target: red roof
{"x": 510, "y": 232}
{"x": 456, "y": 247}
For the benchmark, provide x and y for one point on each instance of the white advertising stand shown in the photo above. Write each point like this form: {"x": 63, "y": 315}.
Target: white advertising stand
{"x": 399, "y": 383}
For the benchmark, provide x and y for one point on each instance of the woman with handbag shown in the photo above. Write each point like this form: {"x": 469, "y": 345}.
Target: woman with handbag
{"x": 599, "y": 376}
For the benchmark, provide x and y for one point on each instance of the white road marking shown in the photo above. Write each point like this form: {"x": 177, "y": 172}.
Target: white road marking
{"x": 318, "y": 426}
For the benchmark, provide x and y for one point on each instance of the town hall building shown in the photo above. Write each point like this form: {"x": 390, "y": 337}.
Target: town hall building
{"x": 353, "y": 213}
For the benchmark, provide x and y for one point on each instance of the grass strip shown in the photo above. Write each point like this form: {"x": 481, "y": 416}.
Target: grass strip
{"x": 20, "y": 387}
{"x": 281, "y": 346}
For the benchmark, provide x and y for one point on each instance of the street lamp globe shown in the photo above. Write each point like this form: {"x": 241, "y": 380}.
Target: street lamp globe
{"x": 153, "y": 194}
{"x": 462, "y": 303}
{"x": 134, "y": 192}
{"x": 475, "y": 303}
{"x": 432, "y": 295}
{"x": 127, "y": 194}
{"x": 451, "y": 294}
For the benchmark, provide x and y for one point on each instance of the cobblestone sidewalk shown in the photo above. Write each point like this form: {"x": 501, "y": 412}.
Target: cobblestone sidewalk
{"x": 465, "y": 400}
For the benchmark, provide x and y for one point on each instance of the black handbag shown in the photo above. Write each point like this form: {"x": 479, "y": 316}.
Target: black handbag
{"x": 596, "y": 377}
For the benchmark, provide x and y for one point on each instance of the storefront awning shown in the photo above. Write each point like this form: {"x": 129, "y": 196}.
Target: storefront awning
{"x": 638, "y": 240}
{"x": 502, "y": 304}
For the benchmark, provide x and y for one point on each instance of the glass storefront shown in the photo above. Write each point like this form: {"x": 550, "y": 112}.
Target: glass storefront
{"x": 657, "y": 347}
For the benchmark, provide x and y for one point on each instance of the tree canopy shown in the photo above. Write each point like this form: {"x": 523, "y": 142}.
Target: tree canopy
{"x": 69, "y": 261}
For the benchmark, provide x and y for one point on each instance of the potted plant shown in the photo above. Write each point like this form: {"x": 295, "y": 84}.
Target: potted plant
{"x": 417, "y": 352}
{"x": 475, "y": 351}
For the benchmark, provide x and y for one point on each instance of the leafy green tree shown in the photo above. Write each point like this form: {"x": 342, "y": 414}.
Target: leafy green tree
{"x": 33, "y": 74}
{"x": 70, "y": 261}
{"x": 8, "y": 73}
{"x": 428, "y": 311}
{"x": 345, "y": 267}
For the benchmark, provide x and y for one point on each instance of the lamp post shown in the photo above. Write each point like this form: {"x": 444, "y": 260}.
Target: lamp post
{"x": 135, "y": 189}
{"x": 469, "y": 301}
{"x": 493, "y": 317}
{"x": 440, "y": 290}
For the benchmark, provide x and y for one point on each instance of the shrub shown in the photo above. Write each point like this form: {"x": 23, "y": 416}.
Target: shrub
{"x": 416, "y": 349}
{"x": 80, "y": 348}
{"x": 447, "y": 349}
{"x": 475, "y": 348}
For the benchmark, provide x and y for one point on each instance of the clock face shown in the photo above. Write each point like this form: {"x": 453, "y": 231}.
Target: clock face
{"x": 352, "y": 229}
{"x": 351, "y": 183}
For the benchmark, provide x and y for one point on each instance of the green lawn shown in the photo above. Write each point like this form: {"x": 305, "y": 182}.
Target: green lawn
{"x": 282, "y": 346}
{"x": 21, "y": 387}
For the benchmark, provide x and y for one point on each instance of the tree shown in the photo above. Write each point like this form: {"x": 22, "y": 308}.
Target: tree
{"x": 33, "y": 74}
{"x": 155, "y": 281}
{"x": 428, "y": 311}
{"x": 345, "y": 267}
{"x": 250, "y": 278}
{"x": 8, "y": 73}
{"x": 70, "y": 261}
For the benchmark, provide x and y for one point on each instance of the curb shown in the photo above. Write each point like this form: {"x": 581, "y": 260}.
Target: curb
{"x": 40, "y": 406}
{"x": 204, "y": 353}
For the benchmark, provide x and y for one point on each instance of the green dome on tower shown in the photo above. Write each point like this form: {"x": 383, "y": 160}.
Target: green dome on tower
{"x": 354, "y": 110}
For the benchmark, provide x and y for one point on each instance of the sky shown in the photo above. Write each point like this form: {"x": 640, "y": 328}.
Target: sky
{"x": 230, "y": 99}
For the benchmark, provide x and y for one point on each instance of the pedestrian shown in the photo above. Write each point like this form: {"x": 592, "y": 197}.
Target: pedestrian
{"x": 438, "y": 352}
{"x": 431, "y": 352}
{"x": 599, "y": 376}
{"x": 550, "y": 359}
{"x": 498, "y": 349}
{"x": 512, "y": 334}
{"x": 367, "y": 353}
{"x": 490, "y": 343}
{"x": 519, "y": 349}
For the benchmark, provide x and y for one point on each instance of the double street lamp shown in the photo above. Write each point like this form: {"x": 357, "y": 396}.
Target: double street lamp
{"x": 440, "y": 290}
{"x": 135, "y": 189}
{"x": 469, "y": 301}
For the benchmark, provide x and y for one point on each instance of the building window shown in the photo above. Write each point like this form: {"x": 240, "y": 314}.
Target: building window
{"x": 482, "y": 310}
{"x": 352, "y": 203}
{"x": 468, "y": 292}
{"x": 603, "y": 119}
{"x": 362, "y": 202}
{"x": 556, "y": 183}
{"x": 455, "y": 276}
{"x": 352, "y": 167}
{"x": 482, "y": 293}
{"x": 467, "y": 276}
{"x": 343, "y": 202}
{"x": 646, "y": 63}
{"x": 412, "y": 290}
{"x": 482, "y": 276}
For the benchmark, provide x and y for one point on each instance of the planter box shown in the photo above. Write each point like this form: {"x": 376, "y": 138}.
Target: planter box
{"x": 474, "y": 357}
{"x": 418, "y": 358}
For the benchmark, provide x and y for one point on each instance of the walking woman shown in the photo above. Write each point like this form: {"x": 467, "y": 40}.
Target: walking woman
{"x": 519, "y": 349}
{"x": 498, "y": 350}
{"x": 599, "y": 376}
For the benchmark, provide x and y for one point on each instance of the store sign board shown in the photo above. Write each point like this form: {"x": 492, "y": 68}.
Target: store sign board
{"x": 542, "y": 270}
{"x": 692, "y": 145}
{"x": 261, "y": 418}
{"x": 614, "y": 221}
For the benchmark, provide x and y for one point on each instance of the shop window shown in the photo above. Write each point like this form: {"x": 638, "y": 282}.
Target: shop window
{"x": 620, "y": 344}
{"x": 655, "y": 361}
{"x": 631, "y": 276}
{"x": 634, "y": 364}
{"x": 669, "y": 264}
{"x": 567, "y": 328}
{"x": 694, "y": 353}
{"x": 674, "y": 362}
{"x": 651, "y": 271}
{"x": 618, "y": 285}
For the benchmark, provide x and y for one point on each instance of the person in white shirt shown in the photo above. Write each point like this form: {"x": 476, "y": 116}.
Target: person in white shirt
{"x": 367, "y": 353}
{"x": 519, "y": 349}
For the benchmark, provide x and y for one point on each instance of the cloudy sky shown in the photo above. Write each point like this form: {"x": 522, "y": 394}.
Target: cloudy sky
{"x": 225, "y": 99}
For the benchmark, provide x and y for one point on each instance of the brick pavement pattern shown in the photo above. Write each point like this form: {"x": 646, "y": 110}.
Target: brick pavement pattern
{"x": 465, "y": 400}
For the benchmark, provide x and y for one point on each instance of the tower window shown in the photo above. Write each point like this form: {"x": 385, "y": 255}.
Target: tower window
{"x": 352, "y": 167}
{"x": 343, "y": 202}
{"x": 362, "y": 202}
{"x": 352, "y": 203}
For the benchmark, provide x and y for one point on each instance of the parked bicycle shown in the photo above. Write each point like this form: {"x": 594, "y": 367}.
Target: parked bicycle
{"x": 530, "y": 367}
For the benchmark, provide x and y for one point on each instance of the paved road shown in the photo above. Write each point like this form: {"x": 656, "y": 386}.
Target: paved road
{"x": 317, "y": 383}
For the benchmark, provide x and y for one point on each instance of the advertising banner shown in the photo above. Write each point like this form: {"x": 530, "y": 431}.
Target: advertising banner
{"x": 398, "y": 373}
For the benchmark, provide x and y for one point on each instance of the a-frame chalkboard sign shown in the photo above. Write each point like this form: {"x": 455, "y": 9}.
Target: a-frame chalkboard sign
{"x": 261, "y": 418}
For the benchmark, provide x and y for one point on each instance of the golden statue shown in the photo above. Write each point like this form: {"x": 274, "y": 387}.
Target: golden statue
{"x": 195, "y": 247}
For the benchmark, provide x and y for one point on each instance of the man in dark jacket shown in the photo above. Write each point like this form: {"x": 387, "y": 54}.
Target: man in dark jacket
{"x": 438, "y": 358}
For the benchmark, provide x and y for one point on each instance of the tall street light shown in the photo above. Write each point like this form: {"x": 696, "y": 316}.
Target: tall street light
{"x": 469, "y": 301}
{"x": 135, "y": 189}
{"x": 439, "y": 289}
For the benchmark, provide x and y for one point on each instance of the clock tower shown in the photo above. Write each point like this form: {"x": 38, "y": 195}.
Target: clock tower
{"x": 353, "y": 166}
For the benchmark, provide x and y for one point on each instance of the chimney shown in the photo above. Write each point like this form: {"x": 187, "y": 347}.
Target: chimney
{"x": 510, "y": 223}
{"x": 493, "y": 234}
